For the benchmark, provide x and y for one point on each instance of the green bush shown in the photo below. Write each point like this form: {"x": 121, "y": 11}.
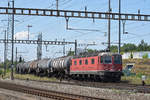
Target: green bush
{"x": 145, "y": 56}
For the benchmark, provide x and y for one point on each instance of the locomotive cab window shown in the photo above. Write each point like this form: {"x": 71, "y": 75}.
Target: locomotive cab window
{"x": 80, "y": 62}
{"x": 86, "y": 62}
{"x": 107, "y": 59}
{"x": 117, "y": 59}
{"x": 75, "y": 62}
{"x": 101, "y": 59}
{"x": 92, "y": 61}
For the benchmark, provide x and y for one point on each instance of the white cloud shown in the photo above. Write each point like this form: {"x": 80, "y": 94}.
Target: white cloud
{"x": 22, "y": 35}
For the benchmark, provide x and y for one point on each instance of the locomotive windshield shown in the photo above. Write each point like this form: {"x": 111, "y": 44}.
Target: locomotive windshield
{"x": 117, "y": 59}
{"x": 107, "y": 59}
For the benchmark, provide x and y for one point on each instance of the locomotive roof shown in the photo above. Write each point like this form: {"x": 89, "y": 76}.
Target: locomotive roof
{"x": 96, "y": 54}
{"x": 107, "y": 53}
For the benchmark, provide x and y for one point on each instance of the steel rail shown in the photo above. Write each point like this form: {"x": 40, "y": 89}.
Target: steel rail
{"x": 120, "y": 86}
{"x": 45, "y": 93}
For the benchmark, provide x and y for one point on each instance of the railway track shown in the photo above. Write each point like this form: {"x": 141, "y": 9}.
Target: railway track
{"x": 45, "y": 93}
{"x": 119, "y": 86}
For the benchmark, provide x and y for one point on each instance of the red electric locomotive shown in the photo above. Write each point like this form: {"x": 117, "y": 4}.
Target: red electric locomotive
{"x": 104, "y": 66}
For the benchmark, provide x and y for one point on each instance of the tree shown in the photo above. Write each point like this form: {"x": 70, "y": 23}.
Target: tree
{"x": 8, "y": 63}
{"x": 71, "y": 53}
{"x": 113, "y": 48}
{"x": 143, "y": 46}
{"x": 90, "y": 50}
{"x": 148, "y": 49}
{"x": 129, "y": 47}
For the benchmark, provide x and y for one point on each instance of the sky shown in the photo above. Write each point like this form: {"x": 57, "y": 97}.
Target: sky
{"x": 53, "y": 28}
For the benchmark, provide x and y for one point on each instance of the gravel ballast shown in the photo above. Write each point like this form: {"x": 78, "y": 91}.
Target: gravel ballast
{"x": 111, "y": 94}
{"x": 13, "y": 95}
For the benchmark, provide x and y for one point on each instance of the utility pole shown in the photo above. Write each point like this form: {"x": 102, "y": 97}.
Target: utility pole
{"x": 8, "y": 28}
{"x": 16, "y": 55}
{"x": 75, "y": 48}
{"x": 56, "y": 4}
{"x": 29, "y": 26}
{"x": 64, "y": 48}
{"x": 7, "y": 37}
{"x": 109, "y": 25}
{"x": 119, "y": 50}
{"x": 5, "y": 52}
{"x": 39, "y": 47}
{"x": 12, "y": 57}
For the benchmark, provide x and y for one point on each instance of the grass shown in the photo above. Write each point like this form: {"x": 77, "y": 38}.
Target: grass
{"x": 129, "y": 79}
{"x": 135, "y": 80}
{"x": 32, "y": 77}
{"x": 141, "y": 67}
{"x": 28, "y": 76}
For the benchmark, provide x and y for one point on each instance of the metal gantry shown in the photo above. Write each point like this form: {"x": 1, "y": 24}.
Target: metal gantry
{"x": 74, "y": 14}
{"x": 36, "y": 42}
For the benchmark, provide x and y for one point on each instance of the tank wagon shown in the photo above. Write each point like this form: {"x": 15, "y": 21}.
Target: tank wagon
{"x": 22, "y": 68}
{"x": 102, "y": 66}
{"x": 61, "y": 66}
{"x": 42, "y": 66}
{"x": 18, "y": 68}
{"x": 33, "y": 67}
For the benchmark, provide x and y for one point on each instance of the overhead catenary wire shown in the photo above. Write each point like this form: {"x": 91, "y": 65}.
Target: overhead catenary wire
{"x": 139, "y": 36}
{"x": 69, "y": 3}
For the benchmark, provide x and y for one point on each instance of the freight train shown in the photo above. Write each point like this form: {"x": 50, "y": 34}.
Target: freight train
{"x": 102, "y": 66}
